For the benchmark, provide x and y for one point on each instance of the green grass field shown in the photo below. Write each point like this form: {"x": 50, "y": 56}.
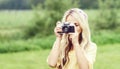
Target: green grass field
{"x": 107, "y": 58}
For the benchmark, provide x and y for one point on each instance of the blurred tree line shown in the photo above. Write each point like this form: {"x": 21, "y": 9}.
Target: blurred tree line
{"x": 18, "y": 4}
{"x": 26, "y": 4}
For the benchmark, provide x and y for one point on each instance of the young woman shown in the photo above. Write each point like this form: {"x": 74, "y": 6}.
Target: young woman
{"x": 73, "y": 50}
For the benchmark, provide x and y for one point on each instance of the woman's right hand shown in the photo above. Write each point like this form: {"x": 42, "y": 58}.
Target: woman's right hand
{"x": 57, "y": 29}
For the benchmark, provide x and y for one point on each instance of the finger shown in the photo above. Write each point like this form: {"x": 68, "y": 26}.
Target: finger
{"x": 58, "y": 28}
{"x": 58, "y": 22}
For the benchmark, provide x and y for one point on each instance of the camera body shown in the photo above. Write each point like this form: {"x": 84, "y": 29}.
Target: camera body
{"x": 68, "y": 28}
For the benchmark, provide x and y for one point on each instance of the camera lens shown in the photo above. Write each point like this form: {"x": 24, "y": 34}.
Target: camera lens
{"x": 65, "y": 29}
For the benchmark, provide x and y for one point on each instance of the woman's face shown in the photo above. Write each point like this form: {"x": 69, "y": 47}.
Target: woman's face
{"x": 71, "y": 19}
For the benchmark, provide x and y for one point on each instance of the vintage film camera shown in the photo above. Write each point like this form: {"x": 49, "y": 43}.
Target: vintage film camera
{"x": 67, "y": 28}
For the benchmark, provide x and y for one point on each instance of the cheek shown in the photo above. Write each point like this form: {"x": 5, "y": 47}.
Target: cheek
{"x": 78, "y": 29}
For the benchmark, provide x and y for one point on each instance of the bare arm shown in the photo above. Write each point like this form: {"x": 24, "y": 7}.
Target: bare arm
{"x": 80, "y": 54}
{"x": 54, "y": 54}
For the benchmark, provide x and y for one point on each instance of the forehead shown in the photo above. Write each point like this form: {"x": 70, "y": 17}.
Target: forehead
{"x": 71, "y": 19}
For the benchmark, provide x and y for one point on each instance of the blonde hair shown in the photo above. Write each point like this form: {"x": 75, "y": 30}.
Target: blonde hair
{"x": 82, "y": 18}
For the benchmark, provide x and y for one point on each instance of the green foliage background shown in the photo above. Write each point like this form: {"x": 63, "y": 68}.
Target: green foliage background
{"x": 32, "y": 30}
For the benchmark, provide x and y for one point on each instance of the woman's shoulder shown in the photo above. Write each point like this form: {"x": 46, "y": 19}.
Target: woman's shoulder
{"x": 91, "y": 47}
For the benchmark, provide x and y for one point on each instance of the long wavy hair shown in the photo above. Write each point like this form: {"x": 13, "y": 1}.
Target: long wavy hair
{"x": 84, "y": 36}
